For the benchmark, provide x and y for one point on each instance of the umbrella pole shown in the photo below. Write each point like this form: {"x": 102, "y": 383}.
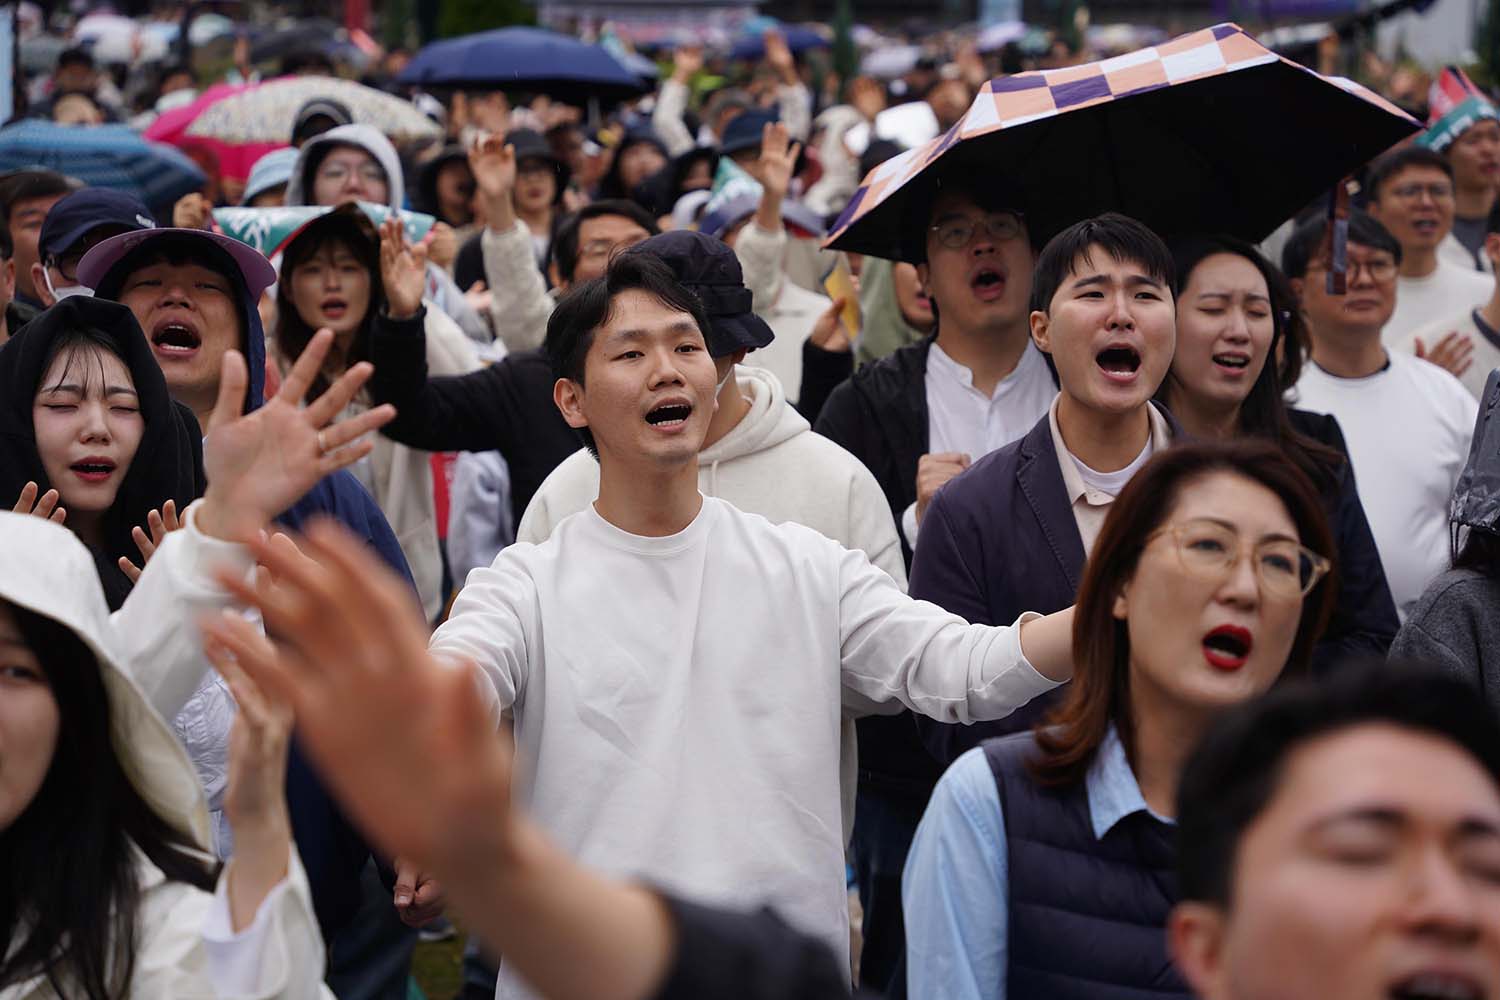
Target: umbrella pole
{"x": 594, "y": 112}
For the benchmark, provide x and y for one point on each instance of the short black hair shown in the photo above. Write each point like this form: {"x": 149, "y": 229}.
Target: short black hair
{"x": 1306, "y": 239}
{"x": 991, "y": 191}
{"x": 1391, "y": 164}
{"x": 7, "y": 245}
{"x": 564, "y": 247}
{"x": 1232, "y": 776}
{"x": 1120, "y": 236}
{"x": 571, "y": 328}
{"x": 21, "y": 185}
{"x": 75, "y": 56}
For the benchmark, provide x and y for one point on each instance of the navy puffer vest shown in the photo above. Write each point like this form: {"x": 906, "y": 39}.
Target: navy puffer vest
{"x": 1087, "y": 916}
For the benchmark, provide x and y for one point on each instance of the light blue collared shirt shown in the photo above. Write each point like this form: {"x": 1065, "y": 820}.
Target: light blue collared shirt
{"x": 955, "y": 891}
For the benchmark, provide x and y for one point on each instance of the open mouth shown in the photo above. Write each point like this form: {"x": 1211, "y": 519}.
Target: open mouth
{"x": 1425, "y": 227}
{"x": 93, "y": 470}
{"x": 175, "y": 339}
{"x": 669, "y": 415}
{"x": 1436, "y": 986}
{"x": 1227, "y": 647}
{"x": 987, "y": 283}
{"x": 1232, "y": 362}
{"x": 334, "y": 308}
{"x": 1120, "y": 362}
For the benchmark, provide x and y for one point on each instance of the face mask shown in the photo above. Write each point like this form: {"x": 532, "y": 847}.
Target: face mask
{"x": 64, "y": 291}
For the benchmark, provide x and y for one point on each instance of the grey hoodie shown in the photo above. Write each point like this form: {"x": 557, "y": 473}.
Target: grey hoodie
{"x": 440, "y": 287}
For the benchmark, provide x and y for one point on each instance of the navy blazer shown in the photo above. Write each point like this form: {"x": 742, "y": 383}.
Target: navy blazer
{"x": 998, "y": 540}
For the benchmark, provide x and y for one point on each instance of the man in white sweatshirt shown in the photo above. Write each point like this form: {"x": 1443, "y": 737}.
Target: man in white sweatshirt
{"x": 677, "y": 669}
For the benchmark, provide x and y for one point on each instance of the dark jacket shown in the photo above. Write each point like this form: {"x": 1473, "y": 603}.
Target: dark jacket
{"x": 879, "y": 415}
{"x": 1364, "y": 621}
{"x": 1456, "y": 627}
{"x": 997, "y": 540}
{"x": 1088, "y": 914}
{"x": 168, "y": 462}
{"x": 505, "y": 407}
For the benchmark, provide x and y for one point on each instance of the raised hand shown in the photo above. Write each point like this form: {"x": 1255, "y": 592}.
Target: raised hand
{"x": 258, "y": 464}
{"x": 403, "y": 269}
{"x": 255, "y": 798}
{"x": 779, "y": 57}
{"x": 161, "y": 523}
{"x": 192, "y": 211}
{"x": 493, "y": 162}
{"x": 687, "y": 62}
{"x": 778, "y": 159}
{"x": 405, "y": 739}
{"x": 442, "y": 244}
{"x": 828, "y": 332}
{"x": 45, "y": 508}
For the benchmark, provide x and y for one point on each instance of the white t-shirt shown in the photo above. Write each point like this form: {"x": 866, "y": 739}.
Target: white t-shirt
{"x": 1421, "y": 301}
{"x": 1408, "y": 428}
{"x": 1470, "y": 323}
{"x": 677, "y": 700}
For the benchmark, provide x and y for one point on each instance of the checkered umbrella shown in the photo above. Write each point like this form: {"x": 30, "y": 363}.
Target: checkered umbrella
{"x": 1210, "y": 132}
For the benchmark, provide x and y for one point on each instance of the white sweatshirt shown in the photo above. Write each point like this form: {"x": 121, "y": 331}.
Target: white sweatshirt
{"x": 677, "y": 700}
{"x": 1408, "y": 428}
{"x": 1420, "y": 301}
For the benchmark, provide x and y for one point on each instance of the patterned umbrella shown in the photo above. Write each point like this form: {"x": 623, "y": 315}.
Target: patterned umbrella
{"x": 110, "y": 156}
{"x": 1209, "y": 132}
{"x": 241, "y": 123}
{"x": 269, "y": 230}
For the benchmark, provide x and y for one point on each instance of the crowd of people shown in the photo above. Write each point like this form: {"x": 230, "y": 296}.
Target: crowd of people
{"x": 551, "y": 526}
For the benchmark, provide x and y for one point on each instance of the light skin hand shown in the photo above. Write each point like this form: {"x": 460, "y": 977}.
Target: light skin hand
{"x": 687, "y": 62}
{"x": 161, "y": 523}
{"x": 778, "y": 160}
{"x": 933, "y": 471}
{"x": 442, "y": 244}
{"x": 45, "y": 508}
{"x": 418, "y": 897}
{"x": 1454, "y": 353}
{"x": 192, "y": 211}
{"x": 493, "y": 162}
{"x": 828, "y": 332}
{"x": 403, "y": 270}
{"x": 259, "y": 463}
{"x": 779, "y": 57}
{"x": 255, "y": 799}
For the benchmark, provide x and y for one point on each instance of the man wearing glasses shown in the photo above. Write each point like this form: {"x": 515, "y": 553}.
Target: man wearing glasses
{"x": 917, "y": 418}
{"x": 1412, "y": 195}
{"x": 72, "y": 227}
{"x": 1407, "y": 423}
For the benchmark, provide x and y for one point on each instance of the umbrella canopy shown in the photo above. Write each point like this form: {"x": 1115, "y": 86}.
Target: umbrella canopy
{"x": 532, "y": 59}
{"x": 1210, "y": 132}
{"x": 242, "y": 123}
{"x": 110, "y": 156}
{"x": 752, "y": 46}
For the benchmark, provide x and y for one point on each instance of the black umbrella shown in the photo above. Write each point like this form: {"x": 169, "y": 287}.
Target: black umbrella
{"x": 1210, "y": 132}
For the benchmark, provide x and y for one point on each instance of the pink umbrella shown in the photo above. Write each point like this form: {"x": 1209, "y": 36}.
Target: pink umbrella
{"x": 235, "y": 158}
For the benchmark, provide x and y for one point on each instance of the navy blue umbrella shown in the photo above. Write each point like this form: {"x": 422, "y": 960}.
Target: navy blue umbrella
{"x": 798, "y": 40}
{"x": 109, "y": 156}
{"x": 530, "y": 59}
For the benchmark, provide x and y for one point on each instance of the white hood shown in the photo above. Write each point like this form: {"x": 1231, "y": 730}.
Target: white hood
{"x": 366, "y": 137}
{"x": 45, "y": 569}
{"x": 771, "y": 419}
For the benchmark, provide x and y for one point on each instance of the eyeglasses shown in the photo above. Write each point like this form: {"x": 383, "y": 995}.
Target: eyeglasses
{"x": 955, "y": 234}
{"x": 596, "y": 248}
{"x": 1210, "y": 550}
{"x": 1380, "y": 269}
{"x": 338, "y": 173}
{"x": 1411, "y": 192}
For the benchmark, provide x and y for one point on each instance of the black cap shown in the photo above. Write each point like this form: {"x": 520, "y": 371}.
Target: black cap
{"x": 77, "y": 214}
{"x": 709, "y": 268}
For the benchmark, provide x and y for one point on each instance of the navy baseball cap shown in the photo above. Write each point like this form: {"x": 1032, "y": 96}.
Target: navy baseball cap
{"x": 80, "y": 213}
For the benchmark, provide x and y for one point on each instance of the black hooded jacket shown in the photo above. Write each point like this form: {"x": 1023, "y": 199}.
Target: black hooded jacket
{"x": 168, "y": 463}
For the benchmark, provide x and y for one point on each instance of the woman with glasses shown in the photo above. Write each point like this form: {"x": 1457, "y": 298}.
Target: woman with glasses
{"x": 336, "y": 274}
{"x": 1044, "y": 864}
{"x": 1240, "y": 342}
